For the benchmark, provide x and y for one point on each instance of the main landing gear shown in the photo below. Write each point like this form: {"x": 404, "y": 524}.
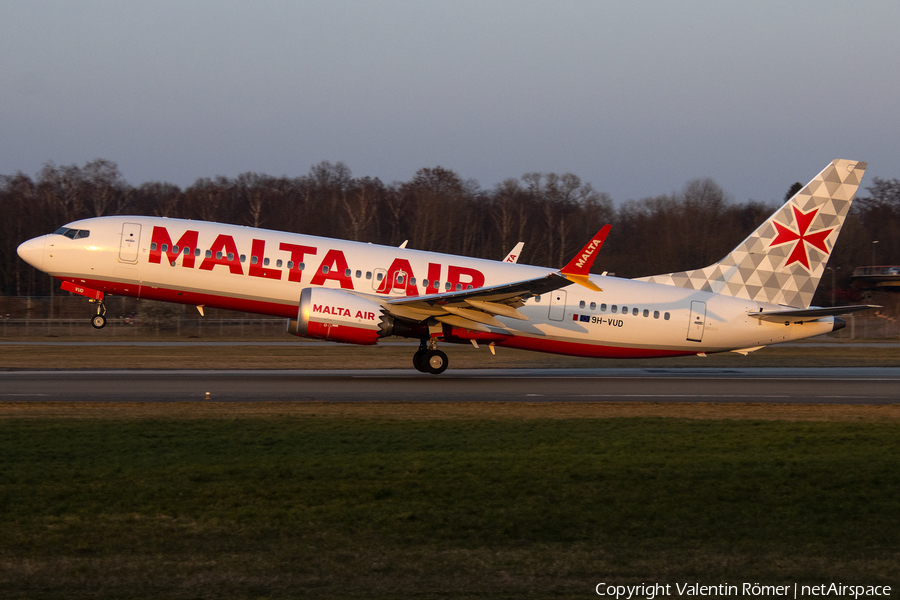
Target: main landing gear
{"x": 428, "y": 359}
{"x": 99, "y": 320}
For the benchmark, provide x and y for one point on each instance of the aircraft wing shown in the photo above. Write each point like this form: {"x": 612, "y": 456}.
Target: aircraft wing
{"x": 808, "y": 314}
{"x": 476, "y": 309}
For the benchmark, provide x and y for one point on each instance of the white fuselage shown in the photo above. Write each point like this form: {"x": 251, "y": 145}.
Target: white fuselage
{"x": 264, "y": 271}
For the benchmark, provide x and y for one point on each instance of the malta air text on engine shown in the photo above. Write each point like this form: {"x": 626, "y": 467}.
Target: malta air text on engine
{"x": 223, "y": 252}
{"x": 340, "y": 311}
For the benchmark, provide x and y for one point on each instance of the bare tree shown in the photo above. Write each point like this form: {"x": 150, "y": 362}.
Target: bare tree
{"x": 104, "y": 187}
{"x": 360, "y": 206}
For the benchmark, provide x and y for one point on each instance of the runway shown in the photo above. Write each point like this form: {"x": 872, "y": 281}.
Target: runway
{"x": 788, "y": 385}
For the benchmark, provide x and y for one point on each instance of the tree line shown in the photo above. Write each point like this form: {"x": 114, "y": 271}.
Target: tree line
{"x": 438, "y": 210}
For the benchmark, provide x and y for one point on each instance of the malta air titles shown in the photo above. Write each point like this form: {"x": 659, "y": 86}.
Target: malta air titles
{"x": 333, "y": 265}
{"x": 358, "y": 293}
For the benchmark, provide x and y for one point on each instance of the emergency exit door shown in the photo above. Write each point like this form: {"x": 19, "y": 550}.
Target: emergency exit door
{"x": 698, "y": 321}
{"x": 558, "y": 305}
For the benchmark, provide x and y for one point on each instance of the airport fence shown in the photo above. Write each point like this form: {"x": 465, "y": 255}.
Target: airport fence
{"x": 129, "y": 318}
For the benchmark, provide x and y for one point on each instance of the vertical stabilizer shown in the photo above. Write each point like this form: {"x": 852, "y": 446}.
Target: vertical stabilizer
{"x": 783, "y": 261}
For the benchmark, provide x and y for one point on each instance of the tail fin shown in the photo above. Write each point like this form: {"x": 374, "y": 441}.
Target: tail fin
{"x": 783, "y": 260}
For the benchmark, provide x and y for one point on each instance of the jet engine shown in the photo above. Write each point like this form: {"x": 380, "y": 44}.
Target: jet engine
{"x": 338, "y": 316}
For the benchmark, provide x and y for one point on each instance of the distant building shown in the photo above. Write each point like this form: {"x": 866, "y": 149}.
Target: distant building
{"x": 885, "y": 278}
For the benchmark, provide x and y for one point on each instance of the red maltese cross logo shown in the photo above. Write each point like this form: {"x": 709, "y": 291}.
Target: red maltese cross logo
{"x": 801, "y": 236}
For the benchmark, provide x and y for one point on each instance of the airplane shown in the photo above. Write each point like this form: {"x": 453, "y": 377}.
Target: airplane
{"x": 359, "y": 293}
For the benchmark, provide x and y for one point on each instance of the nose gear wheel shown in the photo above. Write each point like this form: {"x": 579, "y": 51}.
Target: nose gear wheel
{"x": 98, "y": 321}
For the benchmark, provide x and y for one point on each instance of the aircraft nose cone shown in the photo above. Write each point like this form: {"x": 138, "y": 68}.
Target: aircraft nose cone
{"x": 32, "y": 252}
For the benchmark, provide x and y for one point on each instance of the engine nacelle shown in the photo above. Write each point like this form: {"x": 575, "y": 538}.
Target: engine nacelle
{"x": 337, "y": 316}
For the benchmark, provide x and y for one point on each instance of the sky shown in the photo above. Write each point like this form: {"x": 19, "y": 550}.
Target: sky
{"x": 636, "y": 98}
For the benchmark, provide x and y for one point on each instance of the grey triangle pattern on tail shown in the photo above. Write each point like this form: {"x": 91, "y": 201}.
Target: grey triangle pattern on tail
{"x": 783, "y": 260}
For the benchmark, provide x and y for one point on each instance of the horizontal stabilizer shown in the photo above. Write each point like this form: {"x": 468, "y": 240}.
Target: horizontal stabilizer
{"x": 808, "y": 314}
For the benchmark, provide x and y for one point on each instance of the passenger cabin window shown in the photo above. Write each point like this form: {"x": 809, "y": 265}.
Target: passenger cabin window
{"x": 646, "y": 313}
{"x": 368, "y": 274}
{"x": 613, "y": 308}
{"x": 265, "y": 262}
{"x": 593, "y": 306}
{"x": 218, "y": 254}
{"x": 655, "y": 314}
{"x": 666, "y": 316}
{"x": 603, "y": 307}
{"x": 581, "y": 304}
{"x": 635, "y": 311}
{"x": 278, "y": 263}
{"x": 254, "y": 260}
{"x": 209, "y": 254}
{"x": 358, "y": 274}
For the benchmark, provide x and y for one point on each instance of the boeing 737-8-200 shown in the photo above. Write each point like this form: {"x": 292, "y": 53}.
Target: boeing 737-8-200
{"x": 358, "y": 293}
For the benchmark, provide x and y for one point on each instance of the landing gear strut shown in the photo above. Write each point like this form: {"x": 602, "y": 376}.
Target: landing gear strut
{"x": 99, "y": 320}
{"x": 428, "y": 359}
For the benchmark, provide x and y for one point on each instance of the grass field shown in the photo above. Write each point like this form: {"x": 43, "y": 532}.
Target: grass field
{"x": 433, "y": 501}
{"x": 456, "y": 501}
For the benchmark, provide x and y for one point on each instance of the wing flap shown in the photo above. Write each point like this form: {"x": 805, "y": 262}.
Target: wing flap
{"x": 473, "y": 315}
{"x": 504, "y": 310}
{"x": 458, "y": 321}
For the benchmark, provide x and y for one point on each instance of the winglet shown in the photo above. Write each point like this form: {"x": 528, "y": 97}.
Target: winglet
{"x": 513, "y": 255}
{"x": 578, "y": 269}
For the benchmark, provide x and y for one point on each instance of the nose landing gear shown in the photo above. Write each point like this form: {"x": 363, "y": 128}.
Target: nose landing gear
{"x": 98, "y": 321}
{"x": 428, "y": 359}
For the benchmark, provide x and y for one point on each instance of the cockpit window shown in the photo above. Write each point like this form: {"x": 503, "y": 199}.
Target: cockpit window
{"x": 73, "y": 234}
